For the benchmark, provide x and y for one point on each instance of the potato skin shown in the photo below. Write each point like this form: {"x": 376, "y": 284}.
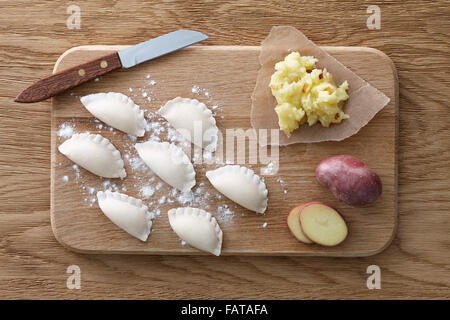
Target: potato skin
{"x": 349, "y": 179}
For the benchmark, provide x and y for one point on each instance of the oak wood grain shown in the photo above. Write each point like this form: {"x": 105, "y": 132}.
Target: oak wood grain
{"x": 414, "y": 34}
{"x": 229, "y": 74}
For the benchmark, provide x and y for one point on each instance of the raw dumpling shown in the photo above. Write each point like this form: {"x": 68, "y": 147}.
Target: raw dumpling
{"x": 193, "y": 120}
{"x": 94, "y": 153}
{"x": 116, "y": 110}
{"x": 241, "y": 185}
{"x": 198, "y": 228}
{"x": 126, "y": 212}
{"x": 169, "y": 162}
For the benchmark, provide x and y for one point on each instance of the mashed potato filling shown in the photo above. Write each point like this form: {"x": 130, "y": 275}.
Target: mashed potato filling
{"x": 305, "y": 94}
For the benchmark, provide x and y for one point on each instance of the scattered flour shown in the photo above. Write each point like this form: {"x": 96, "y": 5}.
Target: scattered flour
{"x": 147, "y": 191}
{"x": 225, "y": 213}
{"x": 185, "y": 198}
{"x": 137, "y": 164}
{"x": 162, "y": 200}
{"x": 270, "y": 169}
{"x": 132, "y": 138}
{"x": 77, "y": 171}
{"x": 195, "y": 89}
{"x": 174, "y": 192}
{"x": 200, "y": 91}
{"x": 66, "y": 130}
{"x": 283, "y": 184}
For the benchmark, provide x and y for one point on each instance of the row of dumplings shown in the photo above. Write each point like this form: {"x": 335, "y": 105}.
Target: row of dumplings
{"x": 98, "y": 155}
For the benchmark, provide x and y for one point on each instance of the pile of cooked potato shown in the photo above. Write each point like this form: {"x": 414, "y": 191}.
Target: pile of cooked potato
{"x": 350, "y": 181}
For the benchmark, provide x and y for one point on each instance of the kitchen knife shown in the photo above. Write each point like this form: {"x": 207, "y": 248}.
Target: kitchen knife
{"x": 126, "y": 58}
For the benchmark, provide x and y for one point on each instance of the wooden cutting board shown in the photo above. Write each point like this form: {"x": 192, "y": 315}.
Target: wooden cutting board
{"x": 223, "y": 76}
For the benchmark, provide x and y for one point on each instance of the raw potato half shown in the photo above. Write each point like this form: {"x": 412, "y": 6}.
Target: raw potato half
{"x": 322, "y": 224}
{"x": 293, "y": 222}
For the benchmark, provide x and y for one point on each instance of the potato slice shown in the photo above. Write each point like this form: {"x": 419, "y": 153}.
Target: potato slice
{"x": 293, "y": 223}
{"x": 322, "y": 224}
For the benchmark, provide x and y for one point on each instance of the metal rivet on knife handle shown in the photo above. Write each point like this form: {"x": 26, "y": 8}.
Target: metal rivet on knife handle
{"x": 103, "y": 64}
{"x": 81, "y": 72}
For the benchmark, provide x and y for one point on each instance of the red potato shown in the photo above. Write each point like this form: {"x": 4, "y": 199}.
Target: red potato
{"x": 349, "y": 180}
{"x": 323, "y": 224}
{"x": 293, "y": 222}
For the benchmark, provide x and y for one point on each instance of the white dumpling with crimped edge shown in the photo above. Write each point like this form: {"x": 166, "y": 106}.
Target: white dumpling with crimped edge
{"x": 168, "y": 162}
{"x": 126, "y": 212}
{"x": 241, "y": 185}
{"x": 198, "y": 228}
{"x": 193, "y": 120}
{"x": 94, "y": 153}
{"x": 117, "y": 110}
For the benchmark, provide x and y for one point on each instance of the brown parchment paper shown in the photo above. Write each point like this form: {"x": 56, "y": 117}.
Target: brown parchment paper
{"x": 363, "y": 104}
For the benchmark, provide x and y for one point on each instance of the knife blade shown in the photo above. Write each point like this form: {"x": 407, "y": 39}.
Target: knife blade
{"x": 126, "y": 58}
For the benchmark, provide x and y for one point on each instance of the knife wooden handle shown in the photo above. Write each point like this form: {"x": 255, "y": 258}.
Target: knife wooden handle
{"x": 69, "y": 78}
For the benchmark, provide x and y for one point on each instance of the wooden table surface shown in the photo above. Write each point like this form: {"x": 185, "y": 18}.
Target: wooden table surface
{"x": 417, "y": 264}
